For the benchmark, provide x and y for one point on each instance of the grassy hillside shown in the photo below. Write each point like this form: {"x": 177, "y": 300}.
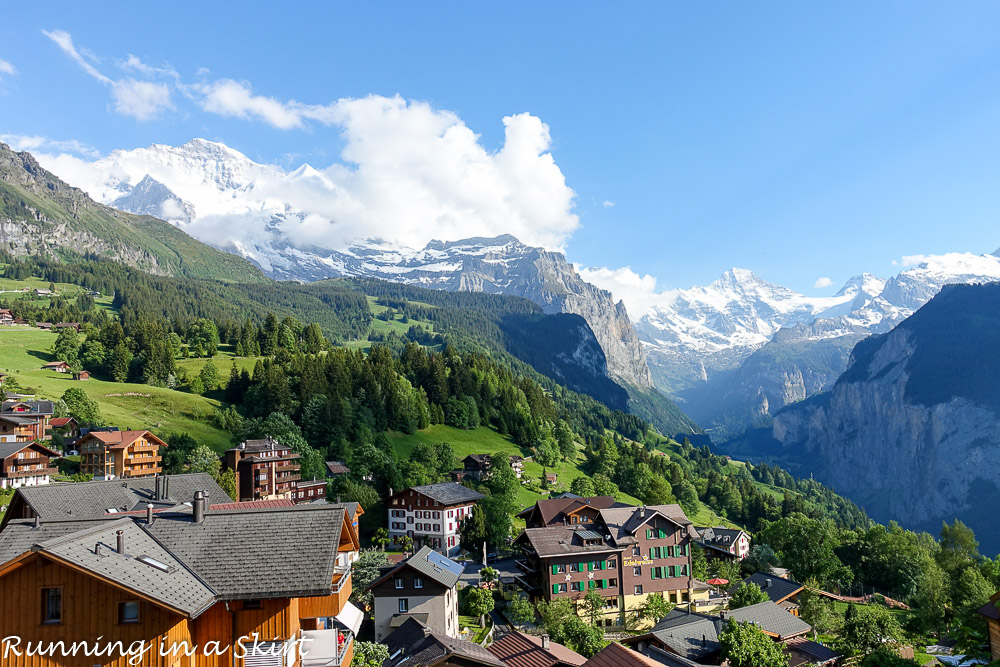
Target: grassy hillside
{"x": 24, "y": 350}
{"x": 47, "y": 216}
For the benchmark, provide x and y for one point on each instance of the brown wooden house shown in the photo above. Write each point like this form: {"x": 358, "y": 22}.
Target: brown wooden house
{"x": 57, "y": 366}
{"x": 115, "y": 454}
{"x": 184, "y": 578}
{"x": 265, "y": 469}
{"x": 991, "y": 612}
{"x": 25, "y": 420}
{"x": 25, "y": 464}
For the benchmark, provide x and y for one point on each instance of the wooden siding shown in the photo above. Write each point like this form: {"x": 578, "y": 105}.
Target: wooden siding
{"x": 89, "y": 611}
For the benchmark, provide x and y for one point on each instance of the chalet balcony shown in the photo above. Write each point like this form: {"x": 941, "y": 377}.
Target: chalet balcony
{"x": 32, "y": 461}
{"x": 327, "y": 648}
{"x": 38, "y": 472}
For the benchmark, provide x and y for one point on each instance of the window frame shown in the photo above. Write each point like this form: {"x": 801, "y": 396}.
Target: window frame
{"x": 122, "y": 620}
{"x": 45, "y": 592}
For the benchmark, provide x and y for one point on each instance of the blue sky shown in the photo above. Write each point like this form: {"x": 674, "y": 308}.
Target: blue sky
{"x": 799, "y": 140}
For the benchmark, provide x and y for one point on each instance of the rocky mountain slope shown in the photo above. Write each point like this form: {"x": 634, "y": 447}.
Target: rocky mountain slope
{"x": 223, "y": 198}
{"x": 911, "y": 430}
{"x": 738, "y": 350}
{"x": 42, "y": 215}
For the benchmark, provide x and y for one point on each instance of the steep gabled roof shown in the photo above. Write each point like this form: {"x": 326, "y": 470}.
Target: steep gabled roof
{"x": 550, "y": 510}
{"x": 122, "y": 439}
{"x": 446, "y": 493}
{"x": 776, "y": 588}
{"x": 517, "y": 649}
{"x": 691, "y": 635}
{"x": 413, "y": 643}
{"x": 146, "y": 568}
{"x": 11, "y": 448}
{"x": 772, "y": 619}
{"x": 90, "y": 499}
{"x": 616, "y": 655}
{"x": 623, "y": 522}
{"x": 429, "y": 563}
{"x": 36, "y": 408}
{"x": 258, "y": 552}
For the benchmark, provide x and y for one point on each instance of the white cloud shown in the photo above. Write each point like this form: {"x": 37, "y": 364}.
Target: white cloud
{"x": 143, "y": 100}
{"x": 21, "y": 142}
{"x": 638, "y": 292}
{"x": 234, "y": 99}
{"x": 822, "y": 282}
{"x": 135, "y": 64}
{"x": 7, "y": 68}
{"x": 608, "y": 203}
{"x": 65, "y": 42}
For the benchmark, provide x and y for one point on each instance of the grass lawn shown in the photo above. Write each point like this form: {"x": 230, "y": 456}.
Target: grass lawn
{"x": 486, "y": 440}
{"x": 223, "y": 361}
{"x": 476, "y": 633}
{"x": 395, "y": 325}
{"x": 138, "y": 406}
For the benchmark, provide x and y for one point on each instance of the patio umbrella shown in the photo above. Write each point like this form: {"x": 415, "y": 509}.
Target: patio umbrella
{"x": 717, "y": 582}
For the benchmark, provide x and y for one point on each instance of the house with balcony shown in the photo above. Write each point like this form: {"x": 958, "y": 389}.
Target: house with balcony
{"x": 182, "y": 577}
{"x": 265, "y": 469}
{"x": 725, "y": 543}
{"x": 25, "y": 420}
{"x": 422, "y": 587}
{"x": 623, "y": 553}
{"x": 431, "y": 515}
{"x": 25, "y": 464}
{"x": 477, "y": 466}
{"x": 120, "y": 454}
{"x": 567, "y": 510}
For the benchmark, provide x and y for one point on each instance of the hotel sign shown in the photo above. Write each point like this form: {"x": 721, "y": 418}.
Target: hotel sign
{"x": 638, "y": 561}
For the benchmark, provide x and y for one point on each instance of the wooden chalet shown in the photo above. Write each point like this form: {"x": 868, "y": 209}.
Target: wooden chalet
{"x": 6, "y": 317}
{"x": 114, "y": 454}
{"x": 81, "y": 375}
{"x": 25, "y": 420}
{"x": 25, "y": 464}
{"x": 57, "y": 366}
{"x": 184, "y": 577}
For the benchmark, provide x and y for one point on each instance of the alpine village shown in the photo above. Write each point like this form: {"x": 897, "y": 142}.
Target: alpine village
{"x": 228, "y": 441}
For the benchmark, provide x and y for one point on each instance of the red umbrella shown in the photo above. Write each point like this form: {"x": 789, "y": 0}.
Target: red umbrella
{"x": 717, "y": 582}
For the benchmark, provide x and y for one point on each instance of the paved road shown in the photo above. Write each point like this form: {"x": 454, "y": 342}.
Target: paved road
{"x": 505, "y": 567}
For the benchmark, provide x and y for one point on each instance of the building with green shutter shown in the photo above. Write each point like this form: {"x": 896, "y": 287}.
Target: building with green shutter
{"x": 624, "y": 553}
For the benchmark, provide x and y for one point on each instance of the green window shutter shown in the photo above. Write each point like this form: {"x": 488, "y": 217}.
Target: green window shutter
{"x": 662, "y": 533}
{"x": 649, "y": 533}
{"x": 590, "y": 565}
{"x": 555, "y": 588}
{"x": 555, "y": 569}
{"x": 604, "y": 583}
{"x": 581, "y": 566}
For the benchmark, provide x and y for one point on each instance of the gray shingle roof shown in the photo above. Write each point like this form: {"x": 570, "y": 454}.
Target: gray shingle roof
{"x": 772, "y": 619}
{"x": 622, "y": 522}
{"x": 690, "y": 635}
{"x": 415, "y": 644}
{"x": 774, "y": 587}
{"x": 429, "y": 563}
{"x": 176, "y": 586}
{"x": 86, "y": 499}
{"x": 37, "y": 407}
{"x": 21, "y": 534}
{"x": 448, "y": 493}
{"x": 8, "y": 448}
{"x": 260, "y": 552}
{"x": 561, "y": 541}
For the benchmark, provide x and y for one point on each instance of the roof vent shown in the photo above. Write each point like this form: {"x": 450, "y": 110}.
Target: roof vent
{"x": 198, "y": 507}
{"x": 767, "y": 583}
{"x": 121, "y": 541}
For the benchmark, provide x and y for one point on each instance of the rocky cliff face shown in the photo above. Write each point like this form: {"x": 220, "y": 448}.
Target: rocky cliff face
{"x": 39, "y": 214}
{"x": 904, "y": 435}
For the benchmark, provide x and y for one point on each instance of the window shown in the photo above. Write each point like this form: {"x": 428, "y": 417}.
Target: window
{"x": 613, "y": 583}
{"x": 252, "y": 604}
{"x": 52, "y": 605}
{"x": 558, "y": 568}
{"x": 611, "y": 603}
{"x": 128, "y": 612}
{"x": 611, "y": 564}
{"x": 637, "y": 590}
{"x": 636, "y": 551}
{"x": 418, "y": 582}
{"x": 399, "y": 582}
{"x": 637, "y": 571}
{"x": 404, "y": 605}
